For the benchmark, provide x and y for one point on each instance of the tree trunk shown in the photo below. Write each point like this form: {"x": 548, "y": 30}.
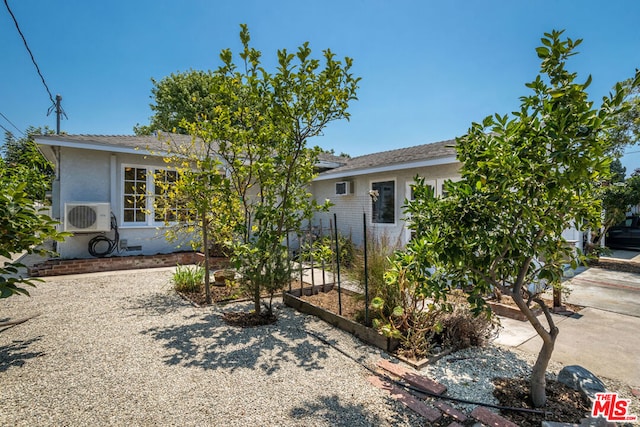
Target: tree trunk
{"x": 205, "y": 249}
{"x": 537, "y": 380}
{"x": 256, "y": 299}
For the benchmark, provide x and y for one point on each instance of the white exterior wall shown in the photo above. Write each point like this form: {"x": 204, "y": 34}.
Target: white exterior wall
{"x": 349, "y": 208}
{"x": 97, "y": 176}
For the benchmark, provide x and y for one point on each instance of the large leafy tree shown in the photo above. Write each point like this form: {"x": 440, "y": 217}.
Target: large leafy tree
{"x": 262, "y": 123}
{"x": 255, "y": 126}
{"x": 180, "y": 97}
{"x": 193, "y": 197}
{"x": 525, "y": 179}
{"x": 26, "y": 163}
{"x": 24, "y": 177}
{"x": 626, "y": 129}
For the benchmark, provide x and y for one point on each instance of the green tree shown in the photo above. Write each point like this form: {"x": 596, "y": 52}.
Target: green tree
{"x": 26, "y": 163}
{"x": 525, "y": 179}
{"x": 193, "y": 198}
{"x": 626, "y": 130}
{"x": 618, "y": 172}
{"x": 180, "y": 97}
{"x": 23, "y": 227}
{"x": 262, "y": 122}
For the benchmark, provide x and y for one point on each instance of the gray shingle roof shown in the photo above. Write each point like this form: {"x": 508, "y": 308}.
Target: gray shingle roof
{"x": 140, "y": 142}
{"x": 398, "y": 157}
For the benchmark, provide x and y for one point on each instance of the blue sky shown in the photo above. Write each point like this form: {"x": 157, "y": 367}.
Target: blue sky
{"x": 428, "y": 68}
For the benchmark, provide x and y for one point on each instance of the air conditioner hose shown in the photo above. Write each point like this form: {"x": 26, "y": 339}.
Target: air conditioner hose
{"x": 112, "y": 244}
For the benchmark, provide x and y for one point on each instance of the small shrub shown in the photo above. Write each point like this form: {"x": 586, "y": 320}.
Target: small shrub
{"x": 460, "y": 328}
{"x": 326, "y": 245}
{"x": 380, "y": 251}
{"x": 188, "y": 279}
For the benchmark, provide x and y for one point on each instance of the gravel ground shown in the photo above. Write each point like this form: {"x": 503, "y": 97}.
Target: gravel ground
{"x": 123, "y": 349}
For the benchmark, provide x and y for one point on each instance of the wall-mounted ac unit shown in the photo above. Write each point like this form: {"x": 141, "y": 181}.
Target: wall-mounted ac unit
{"x": 87, "y": 217}
{"x": 344, "y": 188}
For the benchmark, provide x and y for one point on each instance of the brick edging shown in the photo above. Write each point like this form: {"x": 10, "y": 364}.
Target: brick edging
{"x": 57, "y": 267}
{"x": 616, "y": 265}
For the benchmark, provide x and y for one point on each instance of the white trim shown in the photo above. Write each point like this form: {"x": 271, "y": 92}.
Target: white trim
{"x": 100, "y": 147}
{"x": 395, "y": 202}
{"x": 148, "y": 187}
{"x": 441, "y": 181}
{"x": 113, "y": 184}
{"x": 387, "y": 168}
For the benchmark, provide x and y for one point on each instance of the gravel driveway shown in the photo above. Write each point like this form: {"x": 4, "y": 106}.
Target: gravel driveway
{"x": 123, "y": 349}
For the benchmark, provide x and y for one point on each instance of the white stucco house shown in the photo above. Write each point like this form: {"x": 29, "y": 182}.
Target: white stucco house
{"x": 104, "y": 183}
{"x": 388, "y": 174}
{"x": 98, "y": 175}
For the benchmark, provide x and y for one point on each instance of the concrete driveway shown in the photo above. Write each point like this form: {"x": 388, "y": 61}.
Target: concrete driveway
{"x": 603, "y": 337}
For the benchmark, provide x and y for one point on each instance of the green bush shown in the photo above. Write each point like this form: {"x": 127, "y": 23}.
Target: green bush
{"x": 188, "y": 279}
{"x": 459, "y": 328}
{"x": 380, "y": 251}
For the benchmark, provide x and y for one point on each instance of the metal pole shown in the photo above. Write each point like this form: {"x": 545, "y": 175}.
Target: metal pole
{"x": 335, "y": 223}
{"x": 300, "y": 262}
{"x": 313, "y": 276}
{"x": 289, "y": 260}
{"x": 324, "y": 279}
{"x": 58, "y": 113}
{"x": 366, "y": 272}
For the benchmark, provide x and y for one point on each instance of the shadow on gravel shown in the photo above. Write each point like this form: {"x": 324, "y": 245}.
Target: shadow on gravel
{"x": 328, "y": 410}
{"x": 206, "y": 342}
{"x": 155, "y": 304}
{"x": 17, "y": 353}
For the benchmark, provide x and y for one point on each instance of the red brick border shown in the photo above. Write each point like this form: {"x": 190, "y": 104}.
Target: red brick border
{"x": 56, "y": 267}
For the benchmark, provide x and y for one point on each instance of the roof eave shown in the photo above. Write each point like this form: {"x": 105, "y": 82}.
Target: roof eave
{"x": 387, "y": 168}
{"x": 98, "y": 147}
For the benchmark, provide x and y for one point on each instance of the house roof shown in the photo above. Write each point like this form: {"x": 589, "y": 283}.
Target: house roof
{"x": 120, "y": 143}
{"x": 436, "y": 153}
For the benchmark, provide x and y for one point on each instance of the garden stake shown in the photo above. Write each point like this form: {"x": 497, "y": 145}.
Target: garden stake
{"x": 366, "y": 272}
{"x": 289, "y": 257}
{"x": 300, "y": 264}
{"x": 335, "y": 223}
{"x": 313, "y": 276}
{"x": 324, "y": 281}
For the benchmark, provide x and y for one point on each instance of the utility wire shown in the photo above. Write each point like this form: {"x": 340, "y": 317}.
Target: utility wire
{"x": 11, "y": 123}
{"x": 6, "y": 130}
{"x": 24, "y": 40}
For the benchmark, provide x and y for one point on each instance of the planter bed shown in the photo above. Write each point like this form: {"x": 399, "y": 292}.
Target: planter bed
{"x": 506, "y": 310}
{"x": 366, "y": 334}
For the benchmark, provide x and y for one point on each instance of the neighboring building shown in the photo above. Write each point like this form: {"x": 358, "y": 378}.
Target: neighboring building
{"x": 388, "y": 174}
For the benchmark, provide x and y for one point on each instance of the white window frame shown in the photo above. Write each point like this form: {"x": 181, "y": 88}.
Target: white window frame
{"x": 149, "y": 196}
{"x": 395, "y": 202}
{"x": 440, "y": 184}
{"x": 148, "y": 182}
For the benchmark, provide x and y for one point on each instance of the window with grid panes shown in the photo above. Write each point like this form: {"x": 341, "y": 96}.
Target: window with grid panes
{"x": 134, "y": 197}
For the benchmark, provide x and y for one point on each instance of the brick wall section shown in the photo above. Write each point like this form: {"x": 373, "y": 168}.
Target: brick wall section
{"x": 56, "y": 267}
{"x": 616, "y": 264}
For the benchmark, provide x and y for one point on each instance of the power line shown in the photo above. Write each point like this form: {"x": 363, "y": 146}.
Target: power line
{"x": 24, "y": 40}
{"x": 11, "y": 123}
{"x": 6, "y": 130}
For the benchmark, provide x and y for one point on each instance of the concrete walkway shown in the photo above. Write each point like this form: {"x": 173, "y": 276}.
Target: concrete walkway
{"x": 603, "y": 337}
